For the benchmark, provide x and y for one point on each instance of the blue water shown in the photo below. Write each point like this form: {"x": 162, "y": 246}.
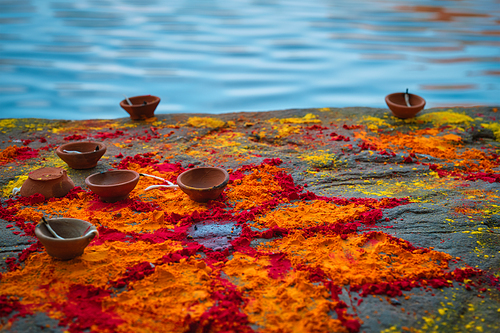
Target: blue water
{"x": 75, "y": 59}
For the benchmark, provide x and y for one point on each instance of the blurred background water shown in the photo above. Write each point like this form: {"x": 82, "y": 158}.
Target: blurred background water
{"x": 65, "y": 59}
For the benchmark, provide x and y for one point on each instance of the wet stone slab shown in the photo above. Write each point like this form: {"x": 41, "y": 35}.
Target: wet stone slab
{"x": 215, "y": 235}
{"x": 334, "y": 220}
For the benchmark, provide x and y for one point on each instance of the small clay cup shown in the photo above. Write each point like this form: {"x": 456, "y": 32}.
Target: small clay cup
{"x": 88, "y": 157}
{"x": 396, "y": 103}
{"x": 203, "y": 184}
{"x": 75, "y": 233}
{"x": 138, "y": 110}
{"x": 49, "y": 182}
{"x": 112, "y": 186}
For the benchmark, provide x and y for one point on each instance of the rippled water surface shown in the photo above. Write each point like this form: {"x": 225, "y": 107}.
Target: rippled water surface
{"x": 76, "y": 59}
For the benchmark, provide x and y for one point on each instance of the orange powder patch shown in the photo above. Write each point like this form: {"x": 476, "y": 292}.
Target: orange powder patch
{"x": 165, "y": 300}
{"x": 98, "y": 265}
{"x": 416, "y": 143}
{"x": 87, "y": 207}
{"x": 291, "y": 304}
{"x": 426, "y": 142}
{"x": 254, "y": 188}
{"x": 474, "y": 160}
{"x": 30, "y": 214}
{"x": 8, "y": 154}
{"x": 307, "y": 214}
{"x": 367, "y": 258}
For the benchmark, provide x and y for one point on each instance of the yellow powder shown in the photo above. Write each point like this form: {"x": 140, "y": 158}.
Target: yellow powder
{"x": 445, "y": 117}
{"x": 205, "y": 122}
{"x": 307, "y": 119}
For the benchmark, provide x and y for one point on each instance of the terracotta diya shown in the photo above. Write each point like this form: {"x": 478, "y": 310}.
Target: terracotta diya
{"x": 65, "y": 238}
{"x": 49, "y": 182}
{"x": 112, "y": 186}
{"x": 81, "y": 155}
{"x": 143, "y": 107}
{"x": 404, "y": 105}
{"x": 203, "y": 184}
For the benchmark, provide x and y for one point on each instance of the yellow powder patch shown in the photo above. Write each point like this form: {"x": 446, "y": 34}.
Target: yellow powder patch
{"x": 286, "y": 130}
{"x": 85, "y": 126}
{"x": 291, "y": 304}
{"x": 384, "y": 188}
{"x": 254, "y": 188}
{"x": 367, "y": 258}
{"x": 445, "y": 117}
{"x": 495, "y": 127}
{"x": 373, "y": 123}
{"x": 223, "y": 140}
{"x": 16, "y": 183}
{"x": 54, "y": 161}
{"x": 8, "y": 123}
{"x": 320, "y": 158}
{"x": 221, "y": 147}
{"x": 163, "y": 301}
{"x": 305, "y": 214}
{"x": 226, "y": 141}
{"x": 205, "y": 122}
{"x": 98, "y": 265}
{"x": 120, "y": 145}
{"x": 36, "y": 127}
{"x": 307, "y": 119}
{"x": 381, "y": 189}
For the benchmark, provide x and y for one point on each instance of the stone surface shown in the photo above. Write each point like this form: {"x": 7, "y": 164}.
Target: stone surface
{"x": 447, "y": 212}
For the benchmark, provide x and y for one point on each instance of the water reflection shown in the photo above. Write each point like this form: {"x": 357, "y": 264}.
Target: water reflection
{"x": 442, "y": 13}
{"x": 66, "y": 59}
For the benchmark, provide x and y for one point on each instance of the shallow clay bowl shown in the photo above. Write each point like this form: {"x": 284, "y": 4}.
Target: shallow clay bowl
{"x": 138, "y": 110}
{"x": 49, "y": 182}
{"x": 396, "y": 103}
{"x": 112, "y": 186}
{"x": 75, "y": 233}
{"x": 88, "y": 157}
{"x": 203, "y": 184}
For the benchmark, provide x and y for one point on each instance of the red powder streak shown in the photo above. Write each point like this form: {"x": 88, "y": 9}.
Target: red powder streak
{"x": 134, "y": 273}
{"x": 75, "y": 137}
{"x": 143, "y": 161}
{"x": 226, "y": 315}
{"x": 135, "y": 205}
{"x": 280, "y": 265}
{"x": 84, "y": 310}
{"x": 109, "y": 135}
{"x": 25, "y": 153}
{"x": 9, "y": 305}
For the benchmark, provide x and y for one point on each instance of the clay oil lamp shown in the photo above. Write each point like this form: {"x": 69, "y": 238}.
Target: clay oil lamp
{"x": 404, "y": 105}
{"x": 140, "y": 107}
{"x": 81, "y": 155}
{"x": 114, "y": 185}
{"x": 49, "y": 182}
{"x": 65, "y": 238}
{"x": 203, "y": 184}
